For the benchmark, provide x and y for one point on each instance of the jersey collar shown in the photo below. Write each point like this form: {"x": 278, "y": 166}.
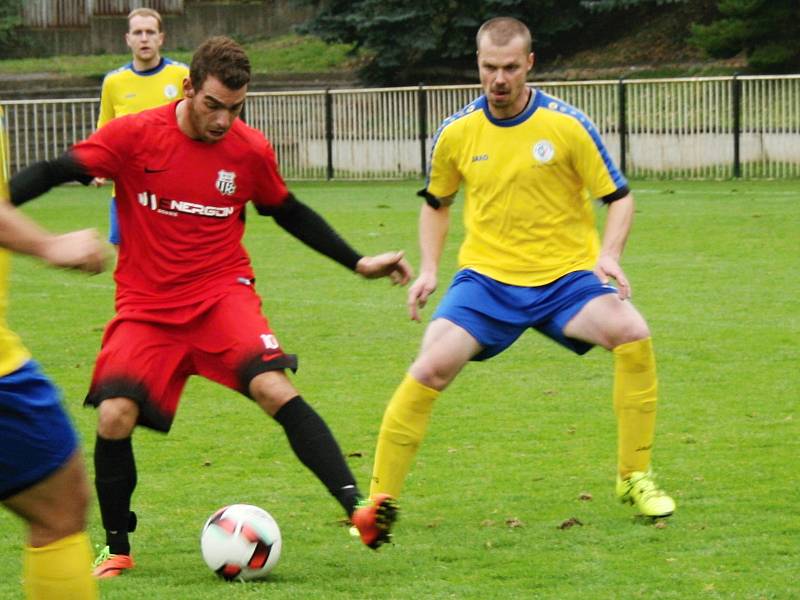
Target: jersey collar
{"x": 157, "y": 69}
{"x": 530, "y": 108}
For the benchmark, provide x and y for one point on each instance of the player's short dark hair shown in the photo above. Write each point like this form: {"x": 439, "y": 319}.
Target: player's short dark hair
{"x": 501, "y": 30}
{"x": 220, "y": 57}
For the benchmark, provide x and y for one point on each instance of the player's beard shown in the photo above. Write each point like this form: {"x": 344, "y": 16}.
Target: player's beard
{"x": 504, "y": 101}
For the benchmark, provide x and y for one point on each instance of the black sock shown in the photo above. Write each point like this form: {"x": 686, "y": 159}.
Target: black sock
{"x": 315, "y": 446}
{"x": 115, "y": 480}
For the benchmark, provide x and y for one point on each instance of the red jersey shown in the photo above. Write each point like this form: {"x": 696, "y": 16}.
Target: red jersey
{"x": 180, "y": 203}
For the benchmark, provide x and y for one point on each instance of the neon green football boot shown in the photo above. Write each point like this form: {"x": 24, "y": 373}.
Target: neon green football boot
{"x": 639, "y": 489}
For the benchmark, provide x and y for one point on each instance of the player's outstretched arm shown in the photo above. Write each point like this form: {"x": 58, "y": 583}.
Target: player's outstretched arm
{"x": 309, "y": 227}
{"x": 39, "y": 178}
{"x": 81, "y": 250}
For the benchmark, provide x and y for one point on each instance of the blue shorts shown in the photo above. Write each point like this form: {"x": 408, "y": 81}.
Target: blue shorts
{"x": 496, "y": 314}
{"x": 113, "y": 223}
{"x": 36, "y": 436}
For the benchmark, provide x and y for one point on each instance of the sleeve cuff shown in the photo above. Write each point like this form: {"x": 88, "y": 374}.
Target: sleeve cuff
{"x": 616, "y": 195}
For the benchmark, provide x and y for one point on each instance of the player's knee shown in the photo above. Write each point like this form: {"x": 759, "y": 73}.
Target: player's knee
{"x": 430, "y": 374}
{"x": 271, "y": 390}
{"x": 117, "y": 417}
{"x": 54, "y": 529}
{"x": 631, "y": 330}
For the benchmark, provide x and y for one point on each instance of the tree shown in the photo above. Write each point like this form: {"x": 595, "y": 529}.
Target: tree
{"x": 13, "y": 40}
{"x": 415, "y": 40}
{"x": 768, "y": 31}
{"x": 10, "y": 19}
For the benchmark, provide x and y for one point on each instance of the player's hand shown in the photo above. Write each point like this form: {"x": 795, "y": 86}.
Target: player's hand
{"x": 82, "y": 250}
{"x": 388, "y": 264}
{"x": 419, "y": 292}
{"x": 608, "y": 268}
{"x": 98, "y": 182}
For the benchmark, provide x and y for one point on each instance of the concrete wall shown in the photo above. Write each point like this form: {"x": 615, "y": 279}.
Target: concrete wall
{"x": 674, "y": 152}
{"x": 184, "y": 32}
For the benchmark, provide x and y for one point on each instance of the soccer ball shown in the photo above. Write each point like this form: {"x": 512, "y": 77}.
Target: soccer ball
{"x": 241, "y": 542}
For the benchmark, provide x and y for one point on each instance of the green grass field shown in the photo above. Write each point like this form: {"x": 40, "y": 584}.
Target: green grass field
{"x": 513, "y": 443}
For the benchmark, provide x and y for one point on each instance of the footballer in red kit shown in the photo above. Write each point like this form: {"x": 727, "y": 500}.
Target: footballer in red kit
{"x": 185, "y": 302}
{"x": 186, "y": 260}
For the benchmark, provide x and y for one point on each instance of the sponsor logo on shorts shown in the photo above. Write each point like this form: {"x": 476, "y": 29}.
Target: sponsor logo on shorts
{"x": 168, "y": 206}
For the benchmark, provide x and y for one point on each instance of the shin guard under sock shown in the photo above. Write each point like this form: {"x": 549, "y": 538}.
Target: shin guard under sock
{"x": 635, "y": 396}
{"x": 404, "y": 424}
{"x": 315, "y": 446}
{"x": 115, "y": 480}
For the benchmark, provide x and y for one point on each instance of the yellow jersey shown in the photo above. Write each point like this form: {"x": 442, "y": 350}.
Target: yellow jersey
{"x": 528, "y": 184}
{"x": 12, "y": 353}
{"x": 127, "y": 91}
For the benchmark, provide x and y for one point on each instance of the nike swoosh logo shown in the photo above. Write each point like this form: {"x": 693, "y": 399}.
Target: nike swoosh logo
{"x": 148, "y": 170}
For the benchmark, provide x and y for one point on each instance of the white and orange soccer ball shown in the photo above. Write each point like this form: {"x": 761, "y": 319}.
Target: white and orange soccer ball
{"x": 241, "y": 541}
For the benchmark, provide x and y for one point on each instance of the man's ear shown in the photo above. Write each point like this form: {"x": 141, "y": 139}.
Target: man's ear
{"x": 188, "y": 90}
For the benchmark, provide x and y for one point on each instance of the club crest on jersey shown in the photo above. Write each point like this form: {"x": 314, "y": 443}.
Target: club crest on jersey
{"x": 543, "y": 151}
{"x": 226, "y": 183}
{"x": 170, "y": 91}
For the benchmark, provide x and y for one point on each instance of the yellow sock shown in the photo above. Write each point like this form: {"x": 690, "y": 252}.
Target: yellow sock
{"x": 635, "y": 395}
{"x": 403, "y": 427}
{"x": 60, "y": 571}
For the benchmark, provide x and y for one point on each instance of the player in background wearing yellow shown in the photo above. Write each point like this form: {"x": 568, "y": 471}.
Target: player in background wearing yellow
{"x": 42, "y": 475}
{"x": 531, "y": 258}
{"x": 148, "y": 81}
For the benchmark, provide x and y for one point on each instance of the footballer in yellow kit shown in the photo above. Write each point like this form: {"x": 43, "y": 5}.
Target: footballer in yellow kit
{"x": 530, "y": 165}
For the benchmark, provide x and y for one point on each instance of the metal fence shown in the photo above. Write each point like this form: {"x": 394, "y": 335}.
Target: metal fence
{"x": 715, "y": 127}
{"x": 43, "y": 129}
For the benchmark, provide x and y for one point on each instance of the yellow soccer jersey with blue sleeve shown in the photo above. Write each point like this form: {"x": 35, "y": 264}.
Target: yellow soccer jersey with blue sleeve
{"x": 127, "y": 91}
{"x": 12, "y": 353}
{"x": 529, "y": 183}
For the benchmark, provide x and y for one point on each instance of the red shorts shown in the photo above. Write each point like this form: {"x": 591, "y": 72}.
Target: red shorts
{"x": 147, "y": 355}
